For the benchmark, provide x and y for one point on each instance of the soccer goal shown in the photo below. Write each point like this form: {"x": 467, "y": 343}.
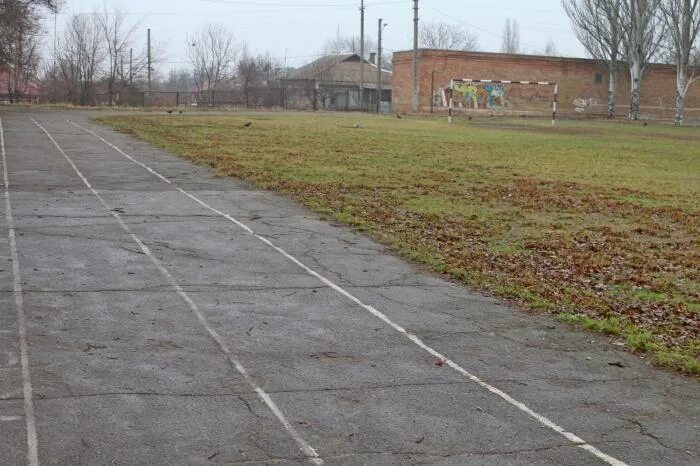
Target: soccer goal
{"x": 491, "y": 94}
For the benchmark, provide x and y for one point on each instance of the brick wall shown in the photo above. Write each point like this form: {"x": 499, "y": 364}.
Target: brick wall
{"x": 583, "y": 83}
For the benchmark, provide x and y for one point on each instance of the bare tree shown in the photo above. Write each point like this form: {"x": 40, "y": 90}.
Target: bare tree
{"x": 118, "y": 37}
{"x": 682, "y": 19}
{"x": 80, "y": 57}
{"x": 445, "y": 36}
{"x": 50, "y": 4}
{"x": 642, "y": 37}
{"x": 179, "y": 80}
{"x": 350, "y": 44}
{"x": 19, "y": 45}
{"x": 551, "y": 49}
{"x": 248, "y": 73}
{"x": 511, "y": 37}
{"x": 598, "y": 26}
{"x": 271, "y": 69}
{"x": 213, "y": 52}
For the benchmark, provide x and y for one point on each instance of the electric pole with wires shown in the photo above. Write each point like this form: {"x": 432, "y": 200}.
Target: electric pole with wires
{"x": 362, "y": 54}
{"x": 416, "y": 89}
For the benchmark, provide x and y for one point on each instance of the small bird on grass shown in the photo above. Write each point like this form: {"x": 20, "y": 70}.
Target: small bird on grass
{"x": 248, "y": 125}
{"x": 169, "y": 112}
{"x": 398, "y": 116}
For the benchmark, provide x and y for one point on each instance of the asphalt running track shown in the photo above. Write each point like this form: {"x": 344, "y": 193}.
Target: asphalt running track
{"x": 152, "y": 313}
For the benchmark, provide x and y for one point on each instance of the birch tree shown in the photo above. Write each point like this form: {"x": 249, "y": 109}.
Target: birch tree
{"x": 682, "y": 19}
{"x": 598, "y": 26}
{"x": 642, "y": 36}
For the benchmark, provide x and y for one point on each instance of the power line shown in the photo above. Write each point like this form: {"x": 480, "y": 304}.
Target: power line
{"x": 460, "y": 20}
{"x": 301, "y": 5}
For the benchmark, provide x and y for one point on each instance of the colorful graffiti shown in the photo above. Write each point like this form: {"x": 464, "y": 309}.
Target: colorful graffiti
{"x": 491, "y": 96}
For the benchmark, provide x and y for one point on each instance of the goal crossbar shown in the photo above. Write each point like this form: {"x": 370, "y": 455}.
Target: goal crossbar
{"x": 555, "y": 98}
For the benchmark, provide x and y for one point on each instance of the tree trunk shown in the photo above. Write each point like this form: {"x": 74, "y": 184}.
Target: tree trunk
{"x": 681, "y": 89}
{"x": 612, "y": 92}
{"x": 635, "y": 93}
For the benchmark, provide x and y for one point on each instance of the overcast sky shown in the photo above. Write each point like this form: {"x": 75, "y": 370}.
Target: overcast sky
{"x": 297, "y": 29}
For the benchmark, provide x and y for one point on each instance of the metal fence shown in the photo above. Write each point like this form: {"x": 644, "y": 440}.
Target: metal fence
{"x": 288, "y": 98}
{"x": 333, "y": 98}
{"x": 24, "y": 99}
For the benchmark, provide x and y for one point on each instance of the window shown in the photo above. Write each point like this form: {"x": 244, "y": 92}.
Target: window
{"x": 598, "y": 78}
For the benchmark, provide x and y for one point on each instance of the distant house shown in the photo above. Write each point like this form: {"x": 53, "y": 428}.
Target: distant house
{"x": 333, "y": 83}
{"x": 13, "y": 89}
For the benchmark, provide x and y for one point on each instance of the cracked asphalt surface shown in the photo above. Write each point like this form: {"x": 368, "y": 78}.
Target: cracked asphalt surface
{"x": 124, "y": 372}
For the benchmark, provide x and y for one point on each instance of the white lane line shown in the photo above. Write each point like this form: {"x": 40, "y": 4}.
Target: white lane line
{"x": 27, "y": 390}
{"x": 125, "y": 154}
{"x": 576, "y": 440}
{"x": 304, "y": 446}
{"x": 10, "y": 418}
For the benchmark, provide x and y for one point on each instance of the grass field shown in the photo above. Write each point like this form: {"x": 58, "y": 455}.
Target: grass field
{"x": 595, "y": 222}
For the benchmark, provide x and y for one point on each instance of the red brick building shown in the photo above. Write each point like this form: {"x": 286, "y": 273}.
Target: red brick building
{"x": 583, "y": 83}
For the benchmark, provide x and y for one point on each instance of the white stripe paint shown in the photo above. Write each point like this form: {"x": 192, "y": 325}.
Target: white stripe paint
{"x": 543, "y": 420}
{"x": 28, "y": 392}
{"x": 10, "y": 418}
{"x": 305, "y": 447}
{"x": 126, "y": 155}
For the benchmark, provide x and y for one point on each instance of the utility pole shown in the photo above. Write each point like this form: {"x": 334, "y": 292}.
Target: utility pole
{"x": 416, "y": 89}
{"x": 149, "y": 59}
{"x": 382, "y": 25}
{"x": 362, "y": 54}
{"x": 131, "y": 67}
{"x": 55, "y": 39}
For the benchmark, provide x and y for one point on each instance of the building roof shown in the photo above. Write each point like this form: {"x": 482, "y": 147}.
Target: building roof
{"x": 343, "y": 68}
{"x": 406, "y": 55}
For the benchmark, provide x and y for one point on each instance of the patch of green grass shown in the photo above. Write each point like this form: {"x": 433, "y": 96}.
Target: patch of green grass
{"x": 600, "y": 217}
{"x": 648, "y": 295}
{"x": 505, "y": 248}
{"x": 687, "y": 363}
{"x": 607, "y": 325}
{"x": 639, "y": 340}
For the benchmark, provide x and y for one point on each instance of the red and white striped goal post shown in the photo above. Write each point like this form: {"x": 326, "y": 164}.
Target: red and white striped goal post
{"x": 555, "y": 99}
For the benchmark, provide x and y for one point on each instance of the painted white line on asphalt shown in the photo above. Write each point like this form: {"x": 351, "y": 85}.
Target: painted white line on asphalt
{"x": 28, "y": 392}
{"x": 125, "y": 154}
{"x": 578, "y": 441}
{"x": 304, "y": 446}
{"x": 10, "y": 418}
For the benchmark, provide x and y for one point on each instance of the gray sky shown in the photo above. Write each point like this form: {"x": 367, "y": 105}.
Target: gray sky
{"x": 296, "y": 29}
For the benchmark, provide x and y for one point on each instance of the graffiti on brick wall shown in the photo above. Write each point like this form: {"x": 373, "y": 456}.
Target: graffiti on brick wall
{"x": 471, "y": 95}
{"x": 581, "y": 105}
